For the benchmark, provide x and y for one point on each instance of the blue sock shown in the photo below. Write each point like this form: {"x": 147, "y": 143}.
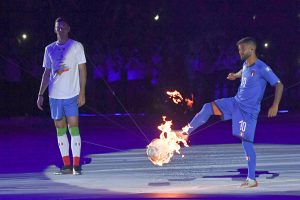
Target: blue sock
{"x": 251, "y": 158}
{"x": 201, "y": 117}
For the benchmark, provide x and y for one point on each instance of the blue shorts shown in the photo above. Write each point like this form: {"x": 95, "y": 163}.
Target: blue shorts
{"x": 243, "y": 124}
{"x": 63, "y": 107}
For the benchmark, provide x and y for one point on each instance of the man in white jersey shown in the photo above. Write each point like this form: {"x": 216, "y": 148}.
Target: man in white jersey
{"x": 65, "y": 74}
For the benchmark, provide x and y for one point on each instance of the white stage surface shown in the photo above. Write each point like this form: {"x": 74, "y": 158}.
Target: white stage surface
{"x": 205, "y": 170}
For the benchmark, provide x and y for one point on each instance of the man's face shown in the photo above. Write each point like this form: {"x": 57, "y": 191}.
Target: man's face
{"x": 62, "y": 29}
{"x": 245, "y": 51}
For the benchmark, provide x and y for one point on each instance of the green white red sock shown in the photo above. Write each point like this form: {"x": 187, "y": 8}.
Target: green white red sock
{"x": 63, "y": 144}
{"x": 75, "y": 145}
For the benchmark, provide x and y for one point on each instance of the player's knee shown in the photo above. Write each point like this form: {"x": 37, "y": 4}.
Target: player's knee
{"x": 60, "y": 123}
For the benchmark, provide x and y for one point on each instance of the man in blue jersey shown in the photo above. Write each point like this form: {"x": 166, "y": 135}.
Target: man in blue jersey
{"x": 243, "y": 109}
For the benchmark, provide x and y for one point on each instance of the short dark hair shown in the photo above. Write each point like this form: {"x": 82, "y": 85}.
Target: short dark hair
{"x": 246, "y": 40}
{"x": 61, "y": 19}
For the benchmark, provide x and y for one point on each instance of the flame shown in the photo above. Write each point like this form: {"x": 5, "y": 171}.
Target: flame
{"x": 160, "y": 151}
{"x": 186, "y": 128}
{"x": 177, "y": 98}
{"x": 189, "y": 102}
{"x": 175, "y": 95}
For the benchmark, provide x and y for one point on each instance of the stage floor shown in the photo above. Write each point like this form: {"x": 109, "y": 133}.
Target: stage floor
{"x": 114, "y": 168}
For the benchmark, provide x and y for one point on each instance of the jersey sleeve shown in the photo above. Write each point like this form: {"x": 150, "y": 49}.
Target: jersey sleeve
{"x": 269, "y": 75}
{"x": 46, "y": 61}
{"x": 80, "y": 54}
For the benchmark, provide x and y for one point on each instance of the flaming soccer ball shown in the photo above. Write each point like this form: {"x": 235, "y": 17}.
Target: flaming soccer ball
{"x": 162, "y": 149}
{"x": 158, "y": 152}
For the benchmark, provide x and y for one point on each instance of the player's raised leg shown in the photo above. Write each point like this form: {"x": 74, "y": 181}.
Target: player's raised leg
{"x": 201, "y": 118}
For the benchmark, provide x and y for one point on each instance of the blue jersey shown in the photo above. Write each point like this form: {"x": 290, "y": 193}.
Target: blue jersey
{"x": 253, "y": 83}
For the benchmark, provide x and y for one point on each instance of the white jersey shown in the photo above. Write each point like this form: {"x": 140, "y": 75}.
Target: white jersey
{"x": 63, "y": 60}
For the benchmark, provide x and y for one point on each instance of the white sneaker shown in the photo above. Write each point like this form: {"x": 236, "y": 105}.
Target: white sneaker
{"x": 77, "y": 170}
{"x": 181, "y": 134}
{"x": 249, "y": 183}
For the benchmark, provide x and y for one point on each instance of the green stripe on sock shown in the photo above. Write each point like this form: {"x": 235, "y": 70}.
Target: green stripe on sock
{"x": 74, "y": 131}
{"x": 61, "y": 131}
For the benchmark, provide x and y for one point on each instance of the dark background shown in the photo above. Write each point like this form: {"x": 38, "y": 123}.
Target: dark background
{"x": 125, "y": 35}
{"x": 190, "y": 48}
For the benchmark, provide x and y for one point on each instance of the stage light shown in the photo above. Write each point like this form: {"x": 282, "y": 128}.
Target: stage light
{"x": 283, "y": 111}
{"x": 24, "y": 36}
{"x": 156, "y": 18}
{"x": 266, "y": 45}
{"x": 254, "y": 17}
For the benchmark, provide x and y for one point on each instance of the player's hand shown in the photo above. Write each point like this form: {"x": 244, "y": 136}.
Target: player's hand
{"x": 81, "y": 100}
{"x": 231, "y": 76}
{"x": 273, "y": 111}
{"x": 40, "y": 102}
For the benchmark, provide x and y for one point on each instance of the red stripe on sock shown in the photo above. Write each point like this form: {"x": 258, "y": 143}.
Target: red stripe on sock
{"x": 66, "y": 160}
{"x": 76, "y": 161}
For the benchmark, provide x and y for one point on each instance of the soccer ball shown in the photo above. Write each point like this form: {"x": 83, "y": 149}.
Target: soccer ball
{"x": 158, "y": 152}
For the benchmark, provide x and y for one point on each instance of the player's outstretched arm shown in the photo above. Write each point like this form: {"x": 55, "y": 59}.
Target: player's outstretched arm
{"x": 278, "y": 94}
{"x": 233, "y": 76}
